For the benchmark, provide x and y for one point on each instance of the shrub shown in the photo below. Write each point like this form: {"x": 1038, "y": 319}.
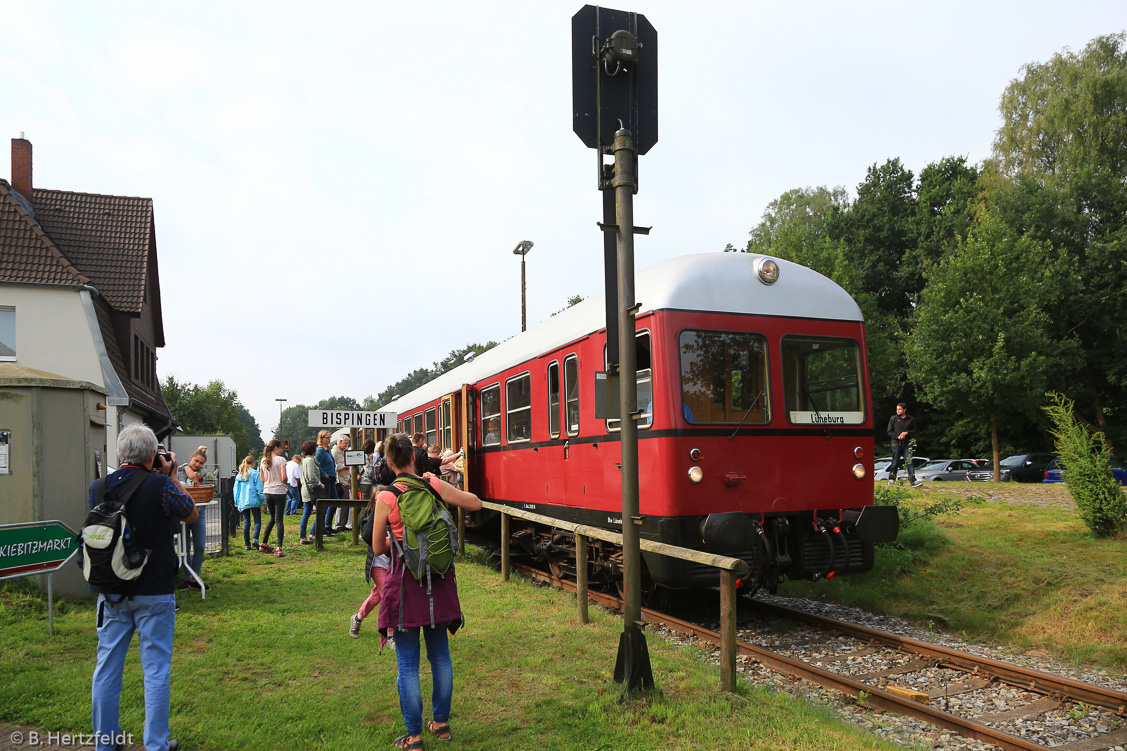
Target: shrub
{"x": 1084, "y": 457}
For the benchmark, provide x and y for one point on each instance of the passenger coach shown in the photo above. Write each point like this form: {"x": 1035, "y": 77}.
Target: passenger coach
{"x": 755, "y": 438}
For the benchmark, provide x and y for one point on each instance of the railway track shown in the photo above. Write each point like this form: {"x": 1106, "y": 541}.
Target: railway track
{"x": 1027, "y": 710}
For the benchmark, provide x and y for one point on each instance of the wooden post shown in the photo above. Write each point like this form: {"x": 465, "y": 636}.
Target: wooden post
{"x": 581, "y": 578}
{"x": 504, "y": 546}
{"x": 461, "y": 532}
{"x": 727, "y": 630}
{"x": 319, "y": 539}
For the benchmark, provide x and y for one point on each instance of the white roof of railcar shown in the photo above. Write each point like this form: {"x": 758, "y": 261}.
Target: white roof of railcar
{"x": 713, "y": 282}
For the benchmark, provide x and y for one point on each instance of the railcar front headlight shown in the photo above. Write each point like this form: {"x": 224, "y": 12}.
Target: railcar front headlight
{"x": 767, "y": 270}
{"x": 696, "y": 474}
{"x": 859, "y": 471}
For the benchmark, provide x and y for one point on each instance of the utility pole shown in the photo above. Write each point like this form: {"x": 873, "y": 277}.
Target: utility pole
{"x": 521, "y": 250}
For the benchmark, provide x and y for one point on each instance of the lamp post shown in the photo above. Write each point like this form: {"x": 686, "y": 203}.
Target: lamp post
{"x": 281, "y": 404}
{"x": 521, "y": 250}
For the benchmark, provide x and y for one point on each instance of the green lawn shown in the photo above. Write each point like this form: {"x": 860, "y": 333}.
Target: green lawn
{"x": 1019, "y": 568}
{"x": 265, "y": 662}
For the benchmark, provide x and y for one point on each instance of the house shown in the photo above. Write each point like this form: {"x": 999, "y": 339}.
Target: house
{"x": 80, "y": 313}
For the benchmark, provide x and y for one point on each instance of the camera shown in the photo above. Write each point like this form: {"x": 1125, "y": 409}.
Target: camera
{"x": 161, "y": 455}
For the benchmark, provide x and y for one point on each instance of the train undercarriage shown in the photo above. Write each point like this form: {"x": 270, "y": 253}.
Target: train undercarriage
{"x": 802, "y": 545}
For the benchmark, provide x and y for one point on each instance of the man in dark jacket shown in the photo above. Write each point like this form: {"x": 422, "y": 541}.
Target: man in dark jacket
{"x": 901, "y": 429}
{"x": 148, "y": 605}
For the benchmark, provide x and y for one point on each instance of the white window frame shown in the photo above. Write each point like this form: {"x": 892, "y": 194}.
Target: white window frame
{"x": 526, "y": 376}
{"x": 571, "y": 431}
{"x": 482, "y": 418}
{"x": 554, "y": 412}
{"x": 15, "y": 350}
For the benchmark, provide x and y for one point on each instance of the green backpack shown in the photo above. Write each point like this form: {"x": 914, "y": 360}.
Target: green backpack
{"x": 430, "y": 538}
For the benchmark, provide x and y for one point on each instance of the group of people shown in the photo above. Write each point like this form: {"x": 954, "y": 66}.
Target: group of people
{"x": 409, "y": 611}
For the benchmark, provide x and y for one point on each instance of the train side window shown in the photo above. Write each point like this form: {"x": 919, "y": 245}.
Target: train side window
{"x": 571, "y": 390}
{"x": 447, "y": 428}
{"x": 418, "y": 427}
{"x": 518, "y": 406}
{"x": 554, "y": 399}
{"x": 643, "y": 362}
{"x": 431, "y": 426}
{"x": 822, "y": 380}
{"x": 491, "y": 415}
{"x": 724, "y": 377}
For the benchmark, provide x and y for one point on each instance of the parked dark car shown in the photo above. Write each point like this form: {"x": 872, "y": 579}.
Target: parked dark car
{"x": 945, "y": 470}
{"x": 1053, "y": 472}
{"x": 1018, "y": 468}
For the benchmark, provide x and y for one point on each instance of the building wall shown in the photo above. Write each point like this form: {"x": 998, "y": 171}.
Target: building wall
{"x": 56, "y": 432}
{"x": 52, "y": 331}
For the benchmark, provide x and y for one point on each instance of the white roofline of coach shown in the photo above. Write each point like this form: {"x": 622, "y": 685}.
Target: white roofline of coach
{"x": 693, "y": 282}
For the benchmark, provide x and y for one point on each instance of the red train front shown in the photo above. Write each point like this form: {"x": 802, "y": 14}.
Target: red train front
{"x": 756, "y": 438}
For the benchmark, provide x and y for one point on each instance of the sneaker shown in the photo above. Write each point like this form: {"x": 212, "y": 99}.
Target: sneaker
{"x": 278, "y": 553}
{"x": 891, "y": 482}
{"x": 247, "y": 547}
{"x": 354, "y": 627}
{"x": 265, "y": 548}
{"x": 917, "y": 483}
{"x": 305, "y": 541}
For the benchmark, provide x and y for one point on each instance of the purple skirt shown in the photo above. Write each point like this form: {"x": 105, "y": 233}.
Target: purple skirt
{"x": 406, "y": 602}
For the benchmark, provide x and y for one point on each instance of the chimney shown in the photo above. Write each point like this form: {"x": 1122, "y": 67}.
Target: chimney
{"x": 21, "y": 166}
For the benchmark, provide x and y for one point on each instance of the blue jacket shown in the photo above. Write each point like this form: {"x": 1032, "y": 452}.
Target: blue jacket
{"x": 248, "y": 491}
{"x": 326, "y": 464}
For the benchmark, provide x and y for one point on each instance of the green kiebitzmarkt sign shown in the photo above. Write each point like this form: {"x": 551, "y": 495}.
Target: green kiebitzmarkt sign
{"x": 35, "y": 548}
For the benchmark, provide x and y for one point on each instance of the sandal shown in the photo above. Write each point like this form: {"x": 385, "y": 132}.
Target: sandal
{"x": 440, "y": 731}
{"x": 401, "y": 742}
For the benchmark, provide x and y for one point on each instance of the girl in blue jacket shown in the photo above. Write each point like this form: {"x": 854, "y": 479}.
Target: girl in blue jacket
{"x": 249, "y": 498}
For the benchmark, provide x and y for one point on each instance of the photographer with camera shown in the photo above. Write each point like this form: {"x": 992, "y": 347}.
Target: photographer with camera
{"x": 147, "y": 605}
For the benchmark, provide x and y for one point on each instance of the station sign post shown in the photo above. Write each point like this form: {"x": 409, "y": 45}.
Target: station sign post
{"x": 37, "y": 548}
{"x": 332, "y": 419}
{"x": 614, "y": 112}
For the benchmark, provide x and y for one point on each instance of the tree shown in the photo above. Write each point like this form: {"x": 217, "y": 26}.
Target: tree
{"x": 293, "y": 426}
{"x": 213, "y": 409}
{"x": 979, "y": 341}
{"x": 1069, "y": 114}
{"x": 254, "y": 433}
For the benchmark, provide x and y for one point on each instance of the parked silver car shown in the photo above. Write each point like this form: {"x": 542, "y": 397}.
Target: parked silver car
{"x": 880, "y": 467}
{"x": 945, "y": 470}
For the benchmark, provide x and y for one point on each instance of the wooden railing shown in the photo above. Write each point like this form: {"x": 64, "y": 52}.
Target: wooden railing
{"x": 729, "y": 568}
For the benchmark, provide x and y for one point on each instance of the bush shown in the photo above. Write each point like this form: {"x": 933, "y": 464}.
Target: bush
{"x": 1084, "y": 457}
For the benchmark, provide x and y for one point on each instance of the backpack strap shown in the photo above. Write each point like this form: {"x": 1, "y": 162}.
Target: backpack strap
{"x": 128, "y": 489}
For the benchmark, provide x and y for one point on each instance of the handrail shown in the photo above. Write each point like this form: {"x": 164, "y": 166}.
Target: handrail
{"x": 728, "y": 566}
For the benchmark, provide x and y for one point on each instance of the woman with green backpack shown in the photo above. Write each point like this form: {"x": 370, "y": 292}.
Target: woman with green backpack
{"x": 420, "y": 592}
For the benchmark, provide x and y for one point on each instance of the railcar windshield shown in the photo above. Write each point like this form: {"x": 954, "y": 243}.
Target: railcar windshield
{"x": 724, "y": 377}
{"x": 822, "y": 379}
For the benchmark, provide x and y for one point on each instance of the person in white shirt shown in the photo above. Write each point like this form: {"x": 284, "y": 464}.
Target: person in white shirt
{"x": 293, "y": 491}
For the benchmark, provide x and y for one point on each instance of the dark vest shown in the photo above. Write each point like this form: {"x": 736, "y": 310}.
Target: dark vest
{"x": 154, "y": 529}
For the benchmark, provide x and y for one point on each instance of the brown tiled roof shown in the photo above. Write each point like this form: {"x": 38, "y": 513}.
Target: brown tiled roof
{"x": 106, "y": 237}
{"x": 26, "y": 252}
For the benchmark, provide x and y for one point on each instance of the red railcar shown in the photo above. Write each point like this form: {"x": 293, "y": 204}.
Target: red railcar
{"x": 755, "y": 439}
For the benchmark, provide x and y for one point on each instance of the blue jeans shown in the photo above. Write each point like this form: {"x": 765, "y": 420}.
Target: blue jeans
{"x": 197, "y": 532}
{"x": 441, "y": 671}
{"x": 256, "y": 512}
{"x": 247, "y": 513}
{"x": 153, "y": 617}
{"x": 902, "y": 456}
{"x": 307, "y": 511}
{"x": 293, "y": 498}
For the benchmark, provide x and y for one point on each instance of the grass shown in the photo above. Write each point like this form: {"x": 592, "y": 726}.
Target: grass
{"x": 265, "y": 662}
{"x": 1026, "y": 573}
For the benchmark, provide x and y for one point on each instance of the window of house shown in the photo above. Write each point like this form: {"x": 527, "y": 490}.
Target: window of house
{"x": 491, "y": 415}
{"x": 644, "y": 365}
{"x": 554, "y": 399}
{"x": 7, "y": 333}
{"x": 571, "y": 390}
{"x": 431, "y": 429}
{"x": 518, "y": 402}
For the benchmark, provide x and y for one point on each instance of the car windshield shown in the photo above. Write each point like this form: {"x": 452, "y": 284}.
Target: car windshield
{"x": 934, "y": 465}
{"x": 1012, "y": 461}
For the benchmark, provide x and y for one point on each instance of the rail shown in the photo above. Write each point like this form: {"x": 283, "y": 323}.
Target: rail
{"x": 729, "y": 567}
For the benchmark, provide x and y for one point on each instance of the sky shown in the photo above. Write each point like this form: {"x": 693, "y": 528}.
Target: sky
{"x": 338, "y": 187}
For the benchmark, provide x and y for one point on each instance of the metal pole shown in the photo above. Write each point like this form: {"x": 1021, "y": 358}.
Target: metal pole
{"x": 50, "y": 606}
{"x": 633, "y": 666}
{"x": 523, "y": 322}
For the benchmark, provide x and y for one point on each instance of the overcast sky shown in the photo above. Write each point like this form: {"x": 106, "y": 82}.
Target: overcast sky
{"x": 322, "y": 172}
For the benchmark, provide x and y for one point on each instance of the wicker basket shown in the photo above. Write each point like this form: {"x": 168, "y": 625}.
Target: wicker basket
{"x": 200, "y": 493}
